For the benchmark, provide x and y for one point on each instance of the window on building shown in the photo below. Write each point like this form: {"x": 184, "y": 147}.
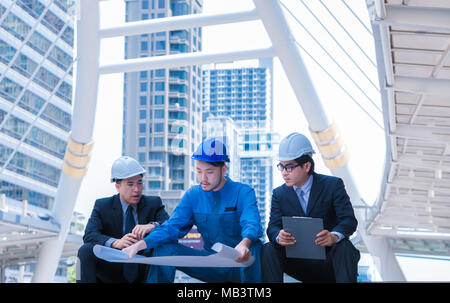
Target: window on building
{"x": 141, "y": 157}
{"x": 142, "y": 114}
{"x": 159, "y": 86}
{"x": 158, "y": 141}
{"x": 159, "y": 99}
{"x": 144, "y": 46}
{"x": 156, "y": 157}
{"x": 159, "y": 127}
{"x": 159, "y": 114}
{"x": 160, "y": 72}
{"x": 160, "y": 45}
{"x": 154, "y": 185}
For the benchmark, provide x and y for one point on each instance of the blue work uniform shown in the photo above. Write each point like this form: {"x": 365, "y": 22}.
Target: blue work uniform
{"x": 226, "y": 216}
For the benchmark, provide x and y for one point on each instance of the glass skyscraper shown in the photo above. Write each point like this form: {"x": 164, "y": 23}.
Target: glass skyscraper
{"x": 36, "y": 76}
{"x": 36, "y": 60}
{"x": 244, "y": 94}
{"x": 162, "y": 107}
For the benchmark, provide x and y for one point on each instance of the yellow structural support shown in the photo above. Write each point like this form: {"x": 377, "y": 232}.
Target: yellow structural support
{"x": 331, "y": 146}
{"x": 76, "y": 158}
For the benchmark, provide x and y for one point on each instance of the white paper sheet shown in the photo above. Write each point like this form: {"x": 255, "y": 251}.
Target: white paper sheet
{"x": 224, "y": 257}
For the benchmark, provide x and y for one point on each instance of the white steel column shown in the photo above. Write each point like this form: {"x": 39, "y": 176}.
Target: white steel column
{"x": 324, "y": 132}
{"x": 79, "y": 145}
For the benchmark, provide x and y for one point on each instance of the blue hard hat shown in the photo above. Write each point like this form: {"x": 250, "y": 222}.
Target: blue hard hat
{"x": 211, "y": 150}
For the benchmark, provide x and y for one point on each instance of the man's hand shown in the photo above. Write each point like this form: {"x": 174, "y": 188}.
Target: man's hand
{"x": 142, "y": 230}
{"x": 325, "y": 238}
{"x": 135, "y": 248}
{"x": 243, "y": 248}
{"x": 125, "y": 241}
{"x": 285, "y": 238}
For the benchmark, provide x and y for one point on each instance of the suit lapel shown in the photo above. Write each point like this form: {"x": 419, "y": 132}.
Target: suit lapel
{"x": 117, "y": 214}
{"x": 292, "y": 199}
{"x": 141, "y": 211}
{"x": 316, "y": 189}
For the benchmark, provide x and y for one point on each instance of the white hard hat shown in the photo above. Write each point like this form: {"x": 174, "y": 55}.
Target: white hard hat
{"x": 294, "y": 146}
{"x": 125, "y": 167}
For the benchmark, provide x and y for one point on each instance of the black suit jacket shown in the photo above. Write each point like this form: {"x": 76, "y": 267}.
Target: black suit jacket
{"x": 106, "y": 220}
{"x": 327, "y": 200}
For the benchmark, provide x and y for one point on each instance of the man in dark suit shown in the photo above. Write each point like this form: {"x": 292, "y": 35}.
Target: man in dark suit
{"x": 118, "y": 222}
{"x": 308, "y": 194}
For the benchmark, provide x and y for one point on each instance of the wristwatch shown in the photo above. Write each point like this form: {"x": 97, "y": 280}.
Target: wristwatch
{"x": 156, "y": 223}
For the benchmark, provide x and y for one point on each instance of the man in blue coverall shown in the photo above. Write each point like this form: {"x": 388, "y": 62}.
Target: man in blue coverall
{"x": 223, "y": 210}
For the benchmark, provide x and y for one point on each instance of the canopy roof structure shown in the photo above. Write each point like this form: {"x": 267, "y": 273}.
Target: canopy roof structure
{"x": 414, "y": 205}
{"x": 21, "y": 236}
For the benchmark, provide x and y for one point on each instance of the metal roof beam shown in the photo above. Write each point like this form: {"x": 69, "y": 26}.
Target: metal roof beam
{"x": 425, "y": 18}
{"x": 184, "y": 59}
{"x": 408, "y": 220}
{"x": 176, "y": 23}
{"x": 405, "y": 234}
{"x": 405, "y": 209}
{"x": 416, "y": 85}
{"x": 414, "y": 183}
{"x": 422, "y": 163}
{"x": 431, "y": 182}
{"x": 426, "y": 203}
{"x": 426, "y": 133}
{"x": 443, "y": 158}
{"x": 412, "y": 198}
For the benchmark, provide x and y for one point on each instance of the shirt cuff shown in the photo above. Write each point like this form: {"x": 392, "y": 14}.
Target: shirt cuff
{"x": 110, "y": 241}
{"x": 340, "y": 236}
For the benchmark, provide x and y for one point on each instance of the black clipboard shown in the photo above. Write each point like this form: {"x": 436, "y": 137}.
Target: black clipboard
{"x": 304, "y": 229}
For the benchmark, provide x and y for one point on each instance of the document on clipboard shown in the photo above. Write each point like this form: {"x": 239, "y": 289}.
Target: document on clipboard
{"x": 304, "y": 229}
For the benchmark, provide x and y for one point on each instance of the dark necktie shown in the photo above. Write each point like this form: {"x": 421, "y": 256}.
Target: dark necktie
{"x": 130, "y": 270}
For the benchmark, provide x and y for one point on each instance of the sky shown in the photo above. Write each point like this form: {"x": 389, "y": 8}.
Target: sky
{"x": 364, "y": 139}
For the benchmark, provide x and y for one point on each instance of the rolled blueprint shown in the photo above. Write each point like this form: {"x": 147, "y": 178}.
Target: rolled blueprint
{"x": 225, "y": 257}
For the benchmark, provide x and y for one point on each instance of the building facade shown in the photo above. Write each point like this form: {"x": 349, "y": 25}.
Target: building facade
{"x": 244, "y": 95}
{"x": 36, "y": 80}
{"x": 162, "y": 108}
{"x": 257, "y": 161}
{"x": 36, "y": 60}
{"x": 224, "y": 129}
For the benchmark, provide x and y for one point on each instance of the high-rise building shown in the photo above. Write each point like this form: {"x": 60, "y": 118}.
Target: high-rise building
{"x": 256, "y": 152}
{"x": 244, "y": 94}
{"x": 162, "y": 107}
{"x": 36, "y": 60}
{"x": 36, "y": 66}
{"x": 224, "y": 129}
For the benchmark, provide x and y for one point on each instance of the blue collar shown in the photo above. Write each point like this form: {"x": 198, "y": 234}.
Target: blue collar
{"x": 125, "y": 205}
{"x": 306, "y": 188}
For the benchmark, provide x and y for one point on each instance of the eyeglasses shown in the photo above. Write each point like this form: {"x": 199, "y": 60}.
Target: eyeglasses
{"x": 289, "y": 168}
{"x": 131, "y": 185}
